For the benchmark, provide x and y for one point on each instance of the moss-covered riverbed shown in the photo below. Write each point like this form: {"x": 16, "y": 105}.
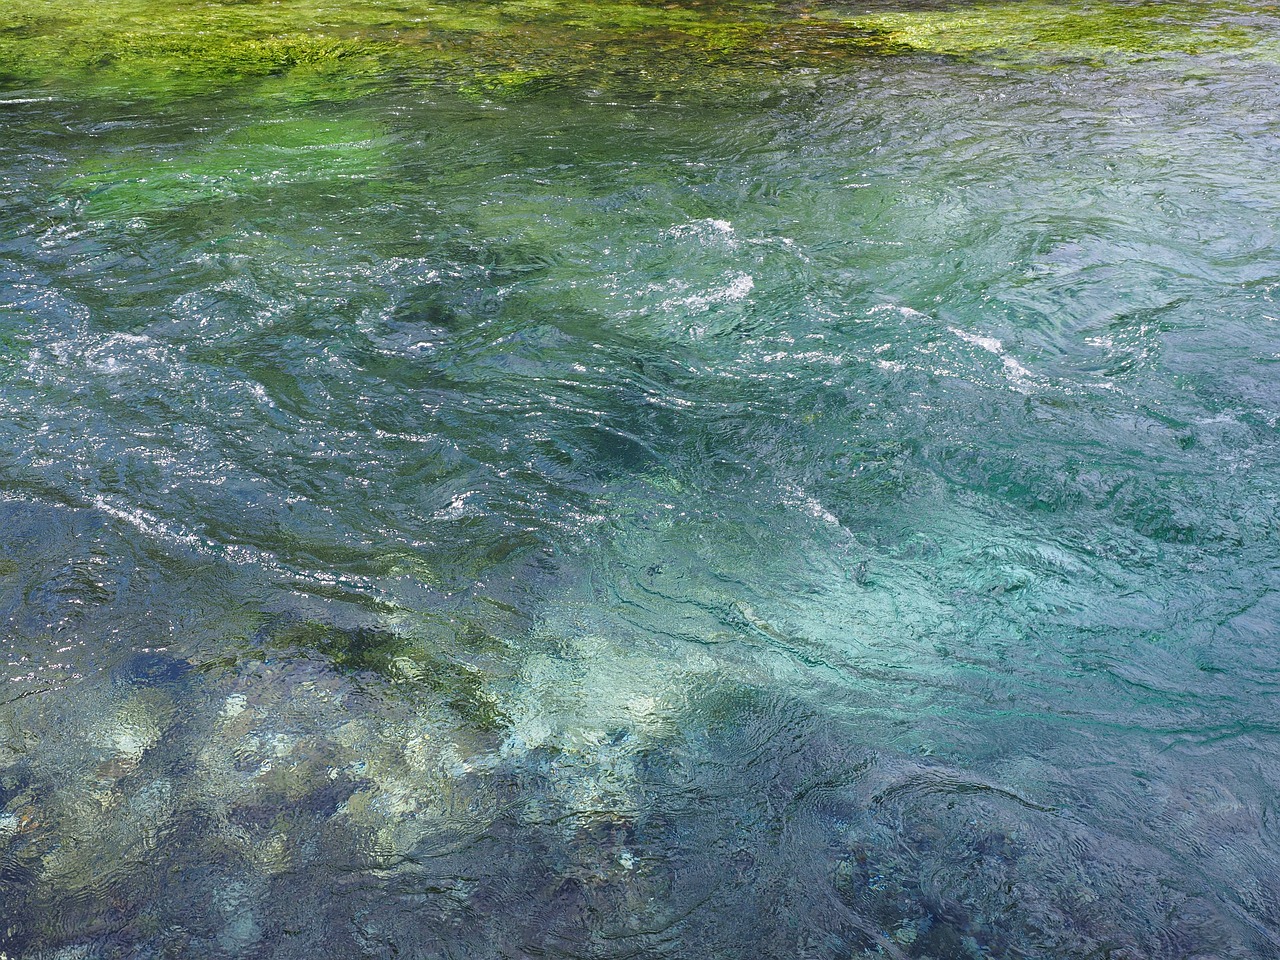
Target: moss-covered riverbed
{"x": 301, "y": 48}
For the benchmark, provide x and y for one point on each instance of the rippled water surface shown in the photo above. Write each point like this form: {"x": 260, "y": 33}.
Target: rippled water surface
{"x": 824, "y": 507}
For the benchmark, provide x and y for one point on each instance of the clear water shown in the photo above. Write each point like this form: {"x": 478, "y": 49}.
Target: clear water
{"x": 829, "y": 517}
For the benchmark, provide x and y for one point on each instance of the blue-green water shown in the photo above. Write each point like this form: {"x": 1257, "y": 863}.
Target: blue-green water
{"x": 835, "y": 517}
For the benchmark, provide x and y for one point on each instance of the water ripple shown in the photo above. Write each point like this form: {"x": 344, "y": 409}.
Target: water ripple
{"x": 840, "y": 525}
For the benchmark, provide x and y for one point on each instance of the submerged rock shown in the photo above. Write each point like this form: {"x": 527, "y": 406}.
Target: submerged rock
{"x": 151, "y": 669}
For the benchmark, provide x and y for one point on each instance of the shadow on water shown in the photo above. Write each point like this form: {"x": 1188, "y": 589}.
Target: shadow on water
{"x": 367, "y": 787}
{"x": 356, "y": 787}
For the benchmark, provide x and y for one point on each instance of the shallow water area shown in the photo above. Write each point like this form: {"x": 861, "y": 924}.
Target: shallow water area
{"x": 639, "y": 481}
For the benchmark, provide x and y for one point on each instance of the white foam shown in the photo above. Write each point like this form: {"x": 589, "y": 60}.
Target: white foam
{"x": 737, "y": 289}
{"x": 1018, "y": 375}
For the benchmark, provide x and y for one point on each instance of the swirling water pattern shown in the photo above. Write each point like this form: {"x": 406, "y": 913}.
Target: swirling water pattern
{"x": 828, "y": 523}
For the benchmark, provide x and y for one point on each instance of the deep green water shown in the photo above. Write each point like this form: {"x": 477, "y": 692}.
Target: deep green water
{"x": 782, "y": 504}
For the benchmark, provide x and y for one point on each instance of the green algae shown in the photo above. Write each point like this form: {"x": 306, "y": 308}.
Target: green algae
{"x": 157, "y": 48}
{"x": 1047, "y": 31}
{"x": 283, "y": 151}
{"x": 172, "y": 58}
{"x": 403, "y": 658}
{"x": 507, "y": 84}
{"x": 520, "y": 48}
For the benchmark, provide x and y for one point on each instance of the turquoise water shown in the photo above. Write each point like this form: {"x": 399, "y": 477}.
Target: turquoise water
{"x": 834, "y": 517}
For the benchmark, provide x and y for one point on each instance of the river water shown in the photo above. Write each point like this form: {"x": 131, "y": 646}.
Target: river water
{"x": 814, "y": 508}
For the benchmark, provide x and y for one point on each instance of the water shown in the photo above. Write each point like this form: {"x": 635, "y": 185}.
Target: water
{"x": 798, "y": 504}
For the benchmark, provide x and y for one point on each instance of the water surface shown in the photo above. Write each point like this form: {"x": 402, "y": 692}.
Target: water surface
{"x": 770, "y": 499}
